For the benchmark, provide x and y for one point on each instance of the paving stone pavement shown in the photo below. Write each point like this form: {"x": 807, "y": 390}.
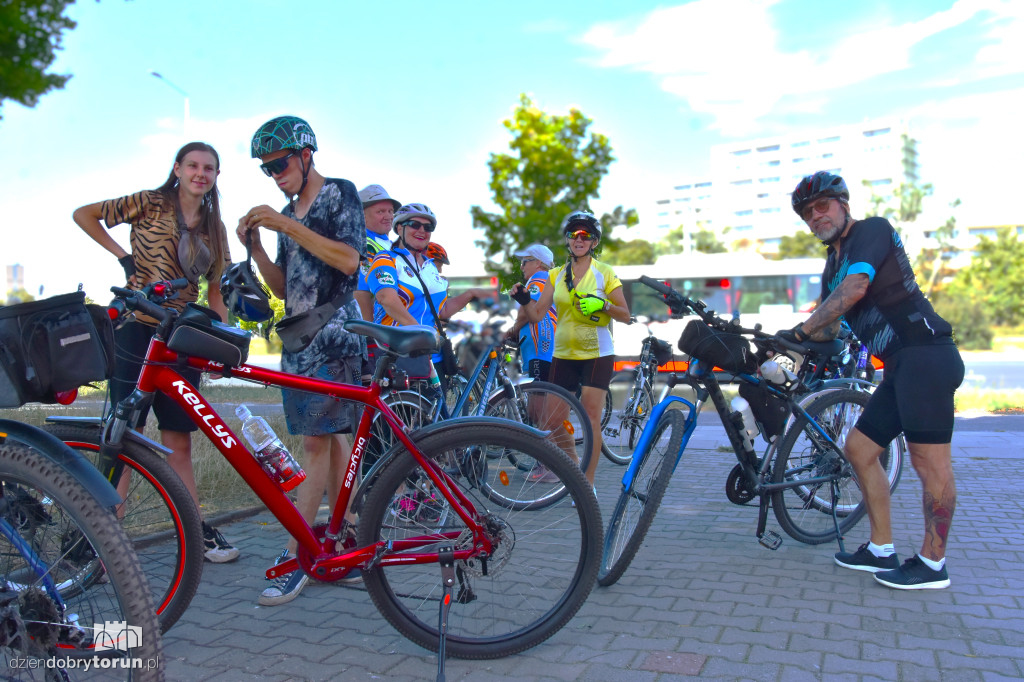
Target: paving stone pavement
{"x": 701, "y": 599}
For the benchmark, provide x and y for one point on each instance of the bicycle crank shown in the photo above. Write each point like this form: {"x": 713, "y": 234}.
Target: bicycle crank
{"x": 736, "y": 487}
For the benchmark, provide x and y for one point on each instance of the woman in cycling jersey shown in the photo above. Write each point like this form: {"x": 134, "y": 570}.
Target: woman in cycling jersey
{"x": 587, "y": 295}
{"x": 176, "y": 232}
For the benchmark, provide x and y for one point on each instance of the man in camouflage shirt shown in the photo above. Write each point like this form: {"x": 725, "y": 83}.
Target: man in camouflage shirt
{"x": 321, "y": 238}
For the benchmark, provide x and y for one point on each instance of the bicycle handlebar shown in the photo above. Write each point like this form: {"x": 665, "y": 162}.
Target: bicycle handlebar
{"x": 141, "y": 299}
{"x": 679, "y": 303}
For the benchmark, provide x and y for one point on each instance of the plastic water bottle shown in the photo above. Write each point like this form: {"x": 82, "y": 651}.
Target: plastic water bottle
{"x": 748, "y": 427}
{"x": 775, "y": 373}
{"x": 269, "y": 451}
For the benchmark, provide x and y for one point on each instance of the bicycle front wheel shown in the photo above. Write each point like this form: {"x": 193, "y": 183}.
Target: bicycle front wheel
{"x": 159, "y": 516}
{"x": 637, "y": 505}
{"x": 619, "y": 435}
{"x": 68, "y": 572}
{"x": 539, "y": 573}
{"x": 549, "y": 408}
{"x": 805, "y": 509}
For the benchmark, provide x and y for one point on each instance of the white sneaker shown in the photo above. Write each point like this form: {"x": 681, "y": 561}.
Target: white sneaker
{"x": 218, "y": 550}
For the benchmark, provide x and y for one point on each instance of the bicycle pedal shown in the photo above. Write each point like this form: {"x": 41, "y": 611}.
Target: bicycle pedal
{"x": 771, "y": 539}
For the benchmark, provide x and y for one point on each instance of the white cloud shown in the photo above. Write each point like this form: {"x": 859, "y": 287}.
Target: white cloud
{"x": 722, "y": 56}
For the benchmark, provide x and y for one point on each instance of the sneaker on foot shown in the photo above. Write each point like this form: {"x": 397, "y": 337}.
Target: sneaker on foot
{"x": 541, "y": 474}
{"x": 284, "y": 589}
{"x": 914, "y": 574}
{"x": 864, "y": 560}
{"x": 218, "y": 550}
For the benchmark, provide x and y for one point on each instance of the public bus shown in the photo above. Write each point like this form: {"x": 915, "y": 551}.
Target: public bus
{"x": 774, "y": 293}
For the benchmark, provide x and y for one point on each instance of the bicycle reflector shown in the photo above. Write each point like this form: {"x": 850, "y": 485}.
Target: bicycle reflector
{"x": 66, "y": 397}
{"x": 160, "y": 288}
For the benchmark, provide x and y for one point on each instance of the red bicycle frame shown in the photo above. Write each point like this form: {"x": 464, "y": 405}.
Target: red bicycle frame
{"x": 159, "y": 374}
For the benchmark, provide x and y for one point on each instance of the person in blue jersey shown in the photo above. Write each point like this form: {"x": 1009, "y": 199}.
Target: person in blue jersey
{"x": 868, "y": 280}
{"x": 378, "y": 212}
{"x": 321, "y": 238}
{"x": 536, "y": 339}
{"x": 403, "y": 278}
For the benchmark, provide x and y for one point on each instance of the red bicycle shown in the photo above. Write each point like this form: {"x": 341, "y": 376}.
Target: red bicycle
{"x": 427, "y": 539}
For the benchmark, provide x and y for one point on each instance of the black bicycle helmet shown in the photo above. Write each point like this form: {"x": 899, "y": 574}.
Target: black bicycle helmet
{"x": 821, "y": 184}
{"x": 581, "y": 220}
{"x": 244, "y": 294}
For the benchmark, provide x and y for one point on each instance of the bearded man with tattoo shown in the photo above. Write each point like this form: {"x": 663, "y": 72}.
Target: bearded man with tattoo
{"x": 868, "y": 280}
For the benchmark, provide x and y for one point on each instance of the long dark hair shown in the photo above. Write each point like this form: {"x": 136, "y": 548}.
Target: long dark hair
{"x": 209, "y": 208}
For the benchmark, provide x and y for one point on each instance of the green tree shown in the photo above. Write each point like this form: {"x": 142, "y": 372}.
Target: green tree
{"x": 15, "y": 296}
{"x": 555, "y": 166}
{"x": 903, "y": 207}
{"x": 619, "y": 217}
{"x": 803, "y": 244}
{"x": 635, "y": 252}
{"x": 707, "y": 241}
{"x": 929, "y": 266}
{"x": 995, "y": 278}
{"x": 673, "y": 242}
{"x": 30, "y": 34}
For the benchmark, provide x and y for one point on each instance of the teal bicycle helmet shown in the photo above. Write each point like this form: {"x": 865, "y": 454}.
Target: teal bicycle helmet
{"x": 283, "y": 132}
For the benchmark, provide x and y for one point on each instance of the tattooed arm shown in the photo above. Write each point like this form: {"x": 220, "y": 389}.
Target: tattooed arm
{"x": 823, "y": 324}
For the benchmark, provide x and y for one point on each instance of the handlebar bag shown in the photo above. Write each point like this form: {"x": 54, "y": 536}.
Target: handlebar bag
{"x": 728, "y": 351}
{"x": 56, "y": 344}
{"x": 195, "y": 333}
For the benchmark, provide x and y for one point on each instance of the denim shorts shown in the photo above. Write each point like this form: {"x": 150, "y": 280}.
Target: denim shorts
{"x": 313, "y": 414}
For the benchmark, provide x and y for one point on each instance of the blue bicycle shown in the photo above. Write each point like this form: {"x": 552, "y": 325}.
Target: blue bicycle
{"x": 803, "y": 475}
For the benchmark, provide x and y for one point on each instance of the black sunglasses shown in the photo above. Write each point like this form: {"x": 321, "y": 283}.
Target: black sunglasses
{"x": 415, "y": 224}
{"x": 277, "y": 166}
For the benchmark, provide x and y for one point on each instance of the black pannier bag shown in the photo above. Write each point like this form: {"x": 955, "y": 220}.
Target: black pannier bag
{"x": 198, "y": 334}
{"x": 769, "y": 410}
{"x": 53, "y": 345}
{"x": 730, "y": 352}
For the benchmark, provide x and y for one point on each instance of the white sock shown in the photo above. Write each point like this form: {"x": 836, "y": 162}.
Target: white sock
{"x": 881, "y": 551}
{"x": 934, "y": 565}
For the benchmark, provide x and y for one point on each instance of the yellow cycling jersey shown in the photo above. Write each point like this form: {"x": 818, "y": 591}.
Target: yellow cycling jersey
{"x": 575, "y": 337}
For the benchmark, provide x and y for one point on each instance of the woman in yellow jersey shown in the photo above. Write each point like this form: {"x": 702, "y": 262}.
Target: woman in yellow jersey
{"x": 587, "y": 296}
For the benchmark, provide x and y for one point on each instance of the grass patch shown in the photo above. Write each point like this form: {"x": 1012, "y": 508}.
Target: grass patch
{"x": 1005, "y": 401}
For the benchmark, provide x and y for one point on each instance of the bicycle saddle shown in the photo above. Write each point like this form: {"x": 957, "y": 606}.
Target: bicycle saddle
{"x": 413, "y": 340}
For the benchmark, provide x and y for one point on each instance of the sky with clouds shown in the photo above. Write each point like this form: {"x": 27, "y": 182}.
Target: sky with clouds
{"x": 411, "y": 95}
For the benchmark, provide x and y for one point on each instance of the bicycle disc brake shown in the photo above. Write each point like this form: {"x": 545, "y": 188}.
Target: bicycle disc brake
{"x": 736, "y": 488}
{"x": 503, "y": 540}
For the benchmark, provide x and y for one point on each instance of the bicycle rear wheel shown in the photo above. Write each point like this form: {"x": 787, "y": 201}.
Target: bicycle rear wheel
{"x": 535, "y": 580}
{"x": 68, "y": 572}
{"x": 805, "y": 511}
{"x": 159, "y": 516}
{"x": 637, "y": 505}
{"x": 549, "y": 408}
{"x": 621, "y": 431}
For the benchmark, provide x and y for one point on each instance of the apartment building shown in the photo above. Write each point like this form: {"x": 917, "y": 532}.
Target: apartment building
{"x": 748, "y": 190}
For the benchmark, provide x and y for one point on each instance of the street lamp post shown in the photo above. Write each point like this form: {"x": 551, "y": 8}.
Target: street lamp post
{"x": 180, "y": 92}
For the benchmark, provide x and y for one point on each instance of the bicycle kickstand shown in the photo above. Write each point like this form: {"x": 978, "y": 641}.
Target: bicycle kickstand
{"x": 446, "y": 557}
{"x": 835, "y": 518}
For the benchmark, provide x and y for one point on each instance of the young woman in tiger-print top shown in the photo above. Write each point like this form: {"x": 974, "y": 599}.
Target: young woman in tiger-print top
{"x": 186, "y": 204}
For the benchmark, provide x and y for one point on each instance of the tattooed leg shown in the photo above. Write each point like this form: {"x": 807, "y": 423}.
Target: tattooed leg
{"x": 934, "y": 465}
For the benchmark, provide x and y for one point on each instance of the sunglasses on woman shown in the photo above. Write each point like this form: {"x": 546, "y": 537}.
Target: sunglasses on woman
{"x": 417, "y": 225}
{"x": 581, "y": 234}
{"x": 277, "y": 166}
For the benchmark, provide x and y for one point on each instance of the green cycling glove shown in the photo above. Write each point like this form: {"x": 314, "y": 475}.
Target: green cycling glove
{"x": 590, "y": 304}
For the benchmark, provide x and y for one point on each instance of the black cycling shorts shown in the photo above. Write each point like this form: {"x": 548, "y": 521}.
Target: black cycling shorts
{"x": 915, "y": 396}
{"x": 571, "y": 374}
{"x": 539, "y": 369}
{"x": 131, "y": 341}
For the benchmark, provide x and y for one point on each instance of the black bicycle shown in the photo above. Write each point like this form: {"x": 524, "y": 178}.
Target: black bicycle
{"x": 803, "y": 474}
